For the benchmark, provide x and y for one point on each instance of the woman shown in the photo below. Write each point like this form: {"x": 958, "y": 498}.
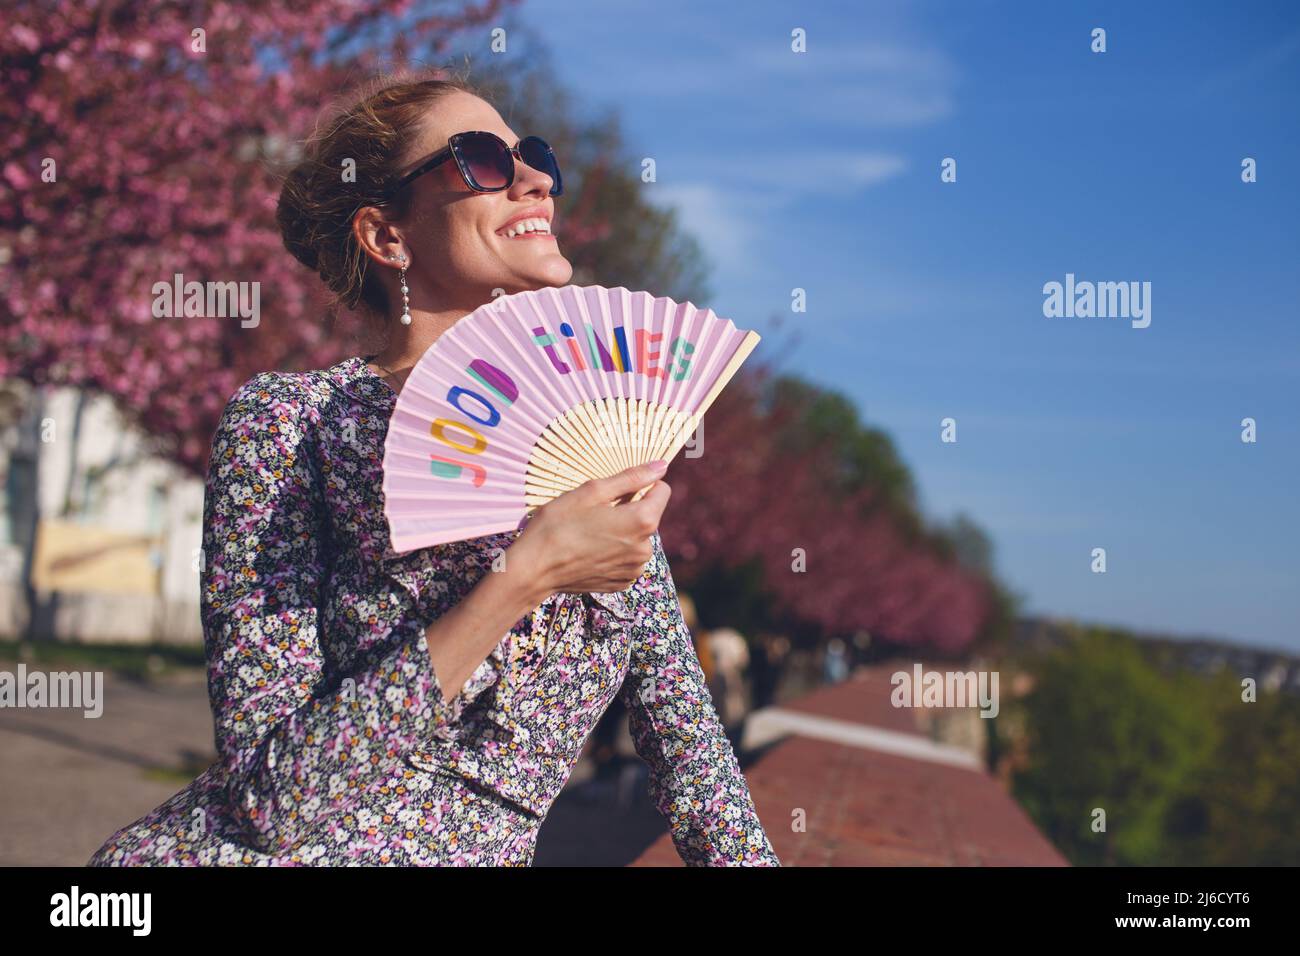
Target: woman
{"x": 367, "y": 708}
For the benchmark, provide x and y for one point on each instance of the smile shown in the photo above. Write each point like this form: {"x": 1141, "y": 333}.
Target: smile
{"x": 527, "y": 229}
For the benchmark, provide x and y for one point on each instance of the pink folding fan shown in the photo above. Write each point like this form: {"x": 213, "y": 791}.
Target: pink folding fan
{"x": 532, "y": 394}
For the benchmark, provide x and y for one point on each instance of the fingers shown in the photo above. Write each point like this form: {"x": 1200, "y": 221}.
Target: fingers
{"x": 628, "y": 481}
{"x": 643, "y": 554}
{"x": 640, "y": 519}
{"x": 655, "y": 500}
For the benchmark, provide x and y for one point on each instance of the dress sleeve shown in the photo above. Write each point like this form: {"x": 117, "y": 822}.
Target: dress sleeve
{"x": 695, "y": 780}
{"x": 293, "y": 748}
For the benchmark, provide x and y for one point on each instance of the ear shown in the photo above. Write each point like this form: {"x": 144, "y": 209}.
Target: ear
{"x": 376, "y": 236}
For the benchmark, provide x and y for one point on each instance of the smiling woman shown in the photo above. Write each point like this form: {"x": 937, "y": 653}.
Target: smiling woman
{"x": 424, "y": 708}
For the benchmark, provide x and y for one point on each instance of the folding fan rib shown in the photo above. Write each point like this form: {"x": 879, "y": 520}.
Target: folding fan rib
{"x": 720, "y": 379}
{"x": 565, "y": 475}
{"x": 610, "y": 435}
{"x": 566, "y": 396}
{"x": 625, "y": 424}
{"x": 636, "y": 320}
{"x": 587, "y": 384}
{"x": 548, "y": 454}
{"x": 683, "y": 327}
{"x": 689, "y": 327}
{"x": 514, "y": 353}
{"x": 510, "y": 355}
{"x": 705, "y": 331}
{"x": 664, "y": 391}
{"x": 649, "y": 322}
{"x": 619, "y": 307}
{"x": 590, "y": 458}
{"x": 620, "y": 310}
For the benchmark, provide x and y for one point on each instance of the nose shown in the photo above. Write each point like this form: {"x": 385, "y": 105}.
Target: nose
{"x": 534, "y": 178}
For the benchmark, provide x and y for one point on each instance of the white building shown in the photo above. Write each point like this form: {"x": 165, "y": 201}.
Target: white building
{"x": 106, "y": 533}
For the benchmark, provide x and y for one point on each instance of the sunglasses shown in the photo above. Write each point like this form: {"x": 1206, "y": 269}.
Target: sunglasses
{"x": 486, "y": 163}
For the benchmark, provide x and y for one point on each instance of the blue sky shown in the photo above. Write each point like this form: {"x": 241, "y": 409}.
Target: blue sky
{"x": 821, "y": 171}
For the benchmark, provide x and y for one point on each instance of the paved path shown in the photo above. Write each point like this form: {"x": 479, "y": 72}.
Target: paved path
{"x": 67, "y": 782}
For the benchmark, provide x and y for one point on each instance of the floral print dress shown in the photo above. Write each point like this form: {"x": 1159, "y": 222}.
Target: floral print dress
{"x": 335, "y": 743}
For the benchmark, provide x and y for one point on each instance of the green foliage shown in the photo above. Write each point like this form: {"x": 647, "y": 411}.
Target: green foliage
{"x": 862, "y": 456}
{"x": 138, "y": 661}
{"x": 966, "y": 542}
{"x": 734, "y": 597}
{"x": 1185, "y": 771}
{"x": 1242, "y": 806}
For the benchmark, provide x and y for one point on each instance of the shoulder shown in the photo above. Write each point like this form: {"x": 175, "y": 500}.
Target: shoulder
{"x": 267, "y": 397}
{"x": 271, "y": 416}
{"x": 301, "y": 397}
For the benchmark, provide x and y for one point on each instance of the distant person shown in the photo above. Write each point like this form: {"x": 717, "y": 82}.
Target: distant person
{"x": 835, "y": 662}
{"x": 724, "y": 655}
{"x": 702, "y": 651}
{"x": 767, "y": 665}
{"x": 731, "y": 657}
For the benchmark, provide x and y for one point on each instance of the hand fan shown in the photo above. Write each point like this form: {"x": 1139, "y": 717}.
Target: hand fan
{"x": 534, "y": 393}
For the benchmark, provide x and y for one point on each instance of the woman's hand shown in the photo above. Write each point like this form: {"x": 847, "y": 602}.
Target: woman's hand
{"x": 592, "y": 538}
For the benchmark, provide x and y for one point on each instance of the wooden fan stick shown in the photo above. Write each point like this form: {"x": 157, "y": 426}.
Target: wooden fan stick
{"x": 584, "y": 453}
{"x": 589, "y": 421}
{"x": 614, "y": 430}
{"x": 746, "y": 346}
{"x": 545, "y": 470}
{"x": 566, "y": 438}
{"x": 584, "y": 443}
{"x": 659, "y": 417}
{"x": 638, "y": 412}
{"x": 627, "y": 451}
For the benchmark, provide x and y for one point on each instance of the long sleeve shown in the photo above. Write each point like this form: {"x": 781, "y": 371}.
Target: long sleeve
{"x": 293, "y": 749}
{"x": 695, "y": 779}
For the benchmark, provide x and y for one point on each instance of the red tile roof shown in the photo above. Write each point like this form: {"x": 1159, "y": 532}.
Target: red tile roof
{"x": 865, "y": 805}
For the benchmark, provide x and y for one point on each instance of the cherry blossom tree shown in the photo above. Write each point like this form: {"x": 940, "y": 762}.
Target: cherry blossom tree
{"x": 839, "y": 558}
{"x": 144, "y": 139}
{"x": 140, "y": 140}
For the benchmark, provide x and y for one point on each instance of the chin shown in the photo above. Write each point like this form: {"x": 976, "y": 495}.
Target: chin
{"x": 556, "y": 271}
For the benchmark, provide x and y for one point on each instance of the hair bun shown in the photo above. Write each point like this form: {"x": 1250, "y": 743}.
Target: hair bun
{"x": 297, "y": 228}
{"x": 315, "y": 210}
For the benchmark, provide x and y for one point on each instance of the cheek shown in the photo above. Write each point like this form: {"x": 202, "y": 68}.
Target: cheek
{"x": 455, "y": 245}
{"x": 475, "y": 249}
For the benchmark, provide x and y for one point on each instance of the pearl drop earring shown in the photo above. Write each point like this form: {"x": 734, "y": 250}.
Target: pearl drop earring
{"x": 406, "y": 301}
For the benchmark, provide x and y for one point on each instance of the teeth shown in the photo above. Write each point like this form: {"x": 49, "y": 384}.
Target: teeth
{"x": 525, "y": 226}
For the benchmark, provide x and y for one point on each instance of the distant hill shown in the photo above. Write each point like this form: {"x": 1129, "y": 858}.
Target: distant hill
{"x": 1272, "y": 669}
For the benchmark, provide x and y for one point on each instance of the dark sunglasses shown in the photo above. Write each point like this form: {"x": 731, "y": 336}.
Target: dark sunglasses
{"x": 486, "y": 163}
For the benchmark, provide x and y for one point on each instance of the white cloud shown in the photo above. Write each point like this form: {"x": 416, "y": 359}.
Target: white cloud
{"x": 894, "y": 84}
{"x": 828, "y": 172}
{"x": 720, "y": 222}
{"x": 725, "y": 219}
